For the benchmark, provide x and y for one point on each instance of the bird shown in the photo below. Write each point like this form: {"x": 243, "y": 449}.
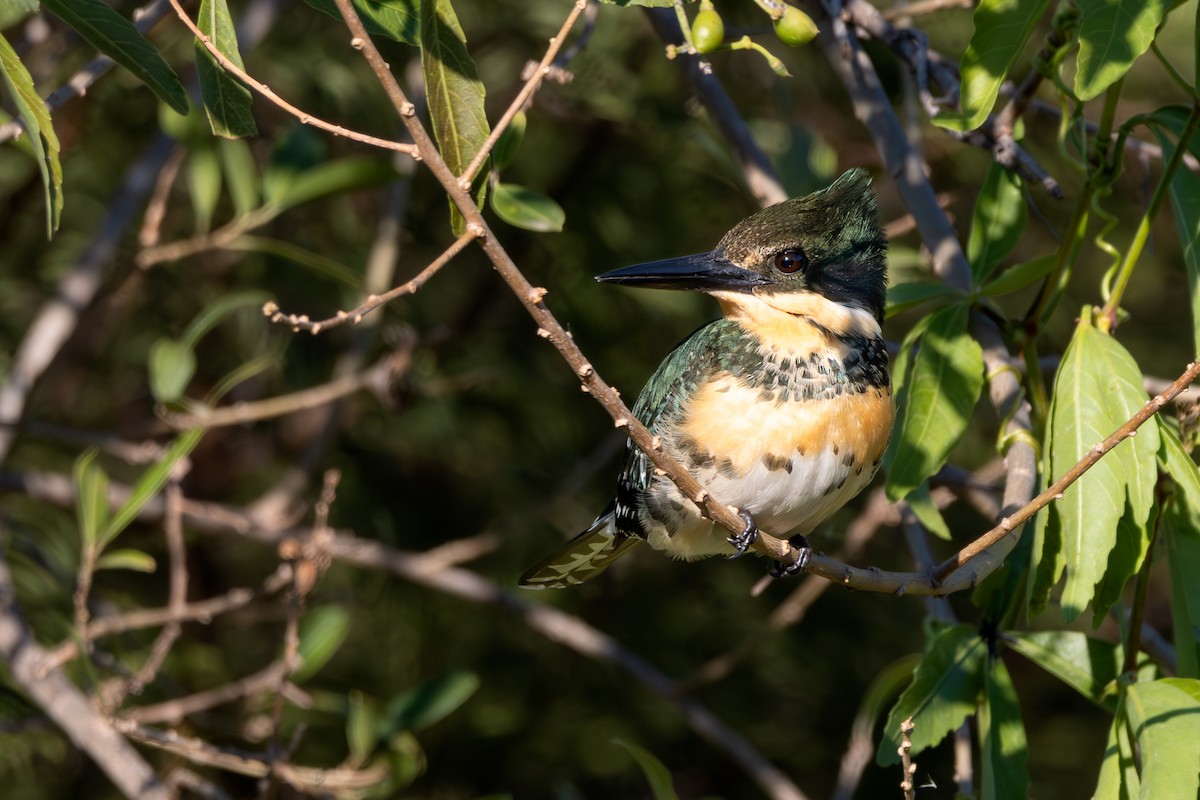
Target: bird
{"x": 782, "y": 408}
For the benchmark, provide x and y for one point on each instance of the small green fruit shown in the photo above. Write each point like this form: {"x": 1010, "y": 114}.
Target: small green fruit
{"x": 795, "y": 28}
{"x": 708, "y": 31}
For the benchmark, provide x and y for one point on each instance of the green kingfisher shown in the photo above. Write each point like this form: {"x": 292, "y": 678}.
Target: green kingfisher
{"x": 781, "y": 409}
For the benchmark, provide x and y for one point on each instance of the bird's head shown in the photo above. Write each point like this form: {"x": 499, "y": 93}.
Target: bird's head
{"x": 828, "y": 243}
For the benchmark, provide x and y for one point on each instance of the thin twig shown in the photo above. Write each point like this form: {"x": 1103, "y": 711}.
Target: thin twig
{"x": 907, "y": 784}
{"x": 260, "y": 87}
{"x": 531, "y": 85}
{"x": 303, "y": 323}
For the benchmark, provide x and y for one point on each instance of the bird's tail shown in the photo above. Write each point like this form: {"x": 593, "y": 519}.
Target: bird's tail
{"x": 582, "y": 558}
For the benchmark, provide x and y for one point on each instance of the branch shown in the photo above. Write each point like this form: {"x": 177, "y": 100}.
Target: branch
{"x": 304, "y": 117}
{"x": 68, "y": 707}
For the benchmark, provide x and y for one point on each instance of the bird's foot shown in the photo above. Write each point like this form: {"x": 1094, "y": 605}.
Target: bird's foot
{"x": 803, "y": 556}
{"x": 746, "y": 538}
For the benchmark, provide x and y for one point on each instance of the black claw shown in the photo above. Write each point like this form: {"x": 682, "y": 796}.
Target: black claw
{"x": 803, "y": 556}
{"x": 747, "y": 537}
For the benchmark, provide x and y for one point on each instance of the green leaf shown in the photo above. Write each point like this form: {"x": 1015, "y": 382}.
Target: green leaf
{"x": 509, "y": 142}
{"x": 134, "y": 560}
{"x": 333, "y": 177}
{"x": 116, "y": 37}
{"x": 1112, "y": 35}
{"x": 172, "y": 364}
{"x": 997, "y": 222}
{"x": 322, "y": 265}
{"x": 1118, "y": 778}
{"x": 204, "y": 184}
{"x": 297, "y": 150}
{"x": 1098, "y": 388}
{"x": 1002, "y": 29}
{"x": 395, "y": 19}
{"x": 1165, "y": 718}
{"x": 91, "y": 497}
{"x": 1089, "y": 666}
{"x": 455, "y": 96}
{"x": 226, "y": 99}
{"x": 642, "y": 3}
{"x": 428, "y": 702}
{"x": 525, "y": 208}
{"x": 14, "y": 11}
{"x": 1003, "y": 749}
{"x": 938, "y": 399}
{"x": 362, "y": 721}
{"x": 921, "y": 503}
{"x": 149, "y": 485}
{"x": 944, "y": 691}
{"x": 322, "y": 632}
{"x": 218, "y": 310}
{"x": 1020, "y": 275}
{"x": 904, "y": 296}
{"x": 42, "y": 138}
{"x": 1128, "y": 553}
{"x": 655, "y": 771}
{"x": 1181, "y": 535}
{"x": 1184, "y": 192}
{"x": 241, "y": 175}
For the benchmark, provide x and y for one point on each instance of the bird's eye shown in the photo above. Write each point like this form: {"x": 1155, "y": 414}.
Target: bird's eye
{"x": 791, "y": 260}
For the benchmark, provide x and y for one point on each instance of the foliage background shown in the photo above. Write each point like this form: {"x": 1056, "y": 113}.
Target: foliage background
{"x": 487, "y": 433}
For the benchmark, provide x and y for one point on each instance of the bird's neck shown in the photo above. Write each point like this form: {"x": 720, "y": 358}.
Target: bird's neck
{"x": 804, "y": 322}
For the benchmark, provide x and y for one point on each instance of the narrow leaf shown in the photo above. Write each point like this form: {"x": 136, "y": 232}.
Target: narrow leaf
{"x": 116, "y": 37}
{"x": 241, "y": 175}
{"x": 1184, "y": 192}
{"x": 655, "y": 771}
{"x": 1165, "y": 718}
{"x": 904, "y": 296}
{"x": 1002, "y": 29}
{"x": 945, "y": 690}
{"x": 525, "y": 208}
{"x": 455, "y": 96}
{"x": 333, "y": 177}
{"x": 1020, "y": 275}
{"x": 1181, "y": 534}
{"x": 428, "y": 702}
{"x": 1004, "y": 750}
{"x": 927, "y": 512}
{"x": 362, "y": 721}
{"x": 947, "y": 377}
{"x": 1118, "y": 778}
{"x": 509, "y": 142}
{"x": 91, "y": 497}
{"x": 149, "y": 485}
{"x": 216, "y": 311}
{"x": 42, "y": 138}
{"x": 204, "y": 184}
{"x": 997, "y": 222}
{"x": 134, "y": 560}
{"x": 322, "y": 632}
{"x": 1112, "y": 35}
{"x": 226, "y": 99}
{"x": 395, "y": 19}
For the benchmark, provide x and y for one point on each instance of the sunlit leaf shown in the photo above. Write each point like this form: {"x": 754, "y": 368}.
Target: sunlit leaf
{"x": 395, "y": 19}
{"x": 35, "y": 115}
{"x": 149, "y": 485}
{"x": 455, "y": 96}
{"x": 525, "y": 208}
{"x": 997, "y": 221}
{"x": 1002, "y": 29}
{"x": 226, "y": 99}
{"x": 945, "y": 690}
{"x": 91, "y": 497}
{"x": 116, "y": 37}
{"x": 939, "y": 397}
{"x": 172, "y": 364}
{"x": 1165, "y": 718}
{"x": 1089, "y": 666}
{"x": 127, "y": 559}
{"x": 1112, "y": 35}
{"x": 1020, "y": 275}
{"x": 903, "y": 296}
{"x": 1004, "y": 751}
{"x": 922, "y": 505}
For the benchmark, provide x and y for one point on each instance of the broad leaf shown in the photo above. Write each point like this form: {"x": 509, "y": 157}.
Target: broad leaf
{"x": 1003, "y": 748}
{"x": 395, "y": 19}
{"x": 36, "y": 117}
{"x": 1098, "y": 388}
{"x": 1181, "y": 535}
{"x": 944, "y": 691}
{"x": 1118, "y": 778}
{"x": 940, "y": 394}
{"x": 241, "y": 175}
{"x": 1020, "y": 275}
{"x": 997, "y": 222}
{"x": 455, "y": 96}
{"x": 1089, "y": 666}
{"x": 116, "y": 37}
{"x": 226, "y": 99}
{"x": 658, "y": 776}
{"x": 1002, "y": 28}
{"x": 1165, "y": 718}
{"x": 322, "y": 632}
{"x": 525, "y": 208}
{"x": 1112, "y": 35}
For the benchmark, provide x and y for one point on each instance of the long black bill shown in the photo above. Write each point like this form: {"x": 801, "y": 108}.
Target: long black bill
{"x": 704, "y": 271}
